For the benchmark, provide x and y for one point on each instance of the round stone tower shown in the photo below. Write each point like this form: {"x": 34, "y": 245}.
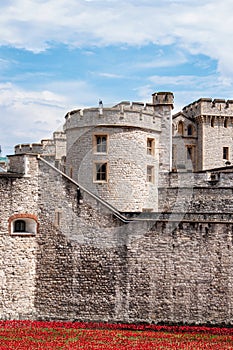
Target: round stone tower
{"x": 117, "y": 152}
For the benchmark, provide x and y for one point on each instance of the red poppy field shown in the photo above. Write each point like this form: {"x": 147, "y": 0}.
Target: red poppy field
{"x": 67, "y": 335}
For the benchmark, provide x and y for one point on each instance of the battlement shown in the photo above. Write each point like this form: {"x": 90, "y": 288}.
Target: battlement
{"x": 208, "y": 106}
{"x": 125, "y": 113}
{"x": 121, "y": 106}
{"x": 59, "y": 135}
{"x": 36, "y": 148}
{"x": 163, "y": 98}
{"x": 135, "y": 114}
{"x": 55, "y": 147}
{"x": 46, "y": 147}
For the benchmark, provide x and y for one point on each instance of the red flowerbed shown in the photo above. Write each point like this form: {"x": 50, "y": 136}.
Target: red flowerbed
{"x": 67, "y": 335}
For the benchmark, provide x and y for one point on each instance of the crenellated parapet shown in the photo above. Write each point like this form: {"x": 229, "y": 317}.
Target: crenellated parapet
{"x": 43, "y": 147}
{"x": 135, "y": 114}
{"x": 36, "y": 148}
{"x": 163, "y": 98}
{"x": 209, "y": 107}
{"x": 54, "y": 148}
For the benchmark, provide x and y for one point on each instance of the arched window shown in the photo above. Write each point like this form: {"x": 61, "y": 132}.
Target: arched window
{"x": 225, "y": 123}
{"x": 19, "y": 226}
{"x": 190, "y": 130}
{"x": 180, "y": 128}
{"x": 23, "y": 224}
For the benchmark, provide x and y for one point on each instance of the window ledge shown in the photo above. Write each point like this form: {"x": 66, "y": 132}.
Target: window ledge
{"x": 22, "y": 234}
{"x": 100, "y": 182}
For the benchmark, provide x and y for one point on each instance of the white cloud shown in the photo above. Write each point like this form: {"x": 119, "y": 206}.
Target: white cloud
{"x": 110, "y": 75}
{"x": 200, "y": 26}
{"x": 188, "y": 88}
{"x": 162, "y": 60}
{"x": 29, "y": 116}
{"x": 193, "y": 81}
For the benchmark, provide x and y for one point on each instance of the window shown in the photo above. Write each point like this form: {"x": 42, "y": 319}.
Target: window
{"x": 225, "y": 123}
{"x": 19, "y": 226}
{"x": 147, "y": 210}
{"x": 57, "y": 218}
{"x": 71, "y": 172}
{"x": 190, "y": 153}
{"x": 23, "y": 224}
{"x": 100, "y": 172}
{"x": 226, "y": 153}
{"x": 190, "y": 130}
{"x": 212, "y": 123}
{"x": 150, "y": 146}
{"x": 180, "y": 128}
{"x": 150, "y": 174}
{"x": 100, "y": 143}
{"x": 174, "y": 154}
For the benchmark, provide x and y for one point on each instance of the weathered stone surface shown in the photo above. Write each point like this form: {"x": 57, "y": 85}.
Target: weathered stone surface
{"x": 91, "y": 266}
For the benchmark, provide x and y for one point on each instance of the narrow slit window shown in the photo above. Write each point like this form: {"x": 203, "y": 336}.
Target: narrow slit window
{"x": 226, "y": 153}
{"x": 180, "y": 128}
{"x": 190, "y": 130}
{"x": 150, "y": 146}
{"x": 150, "y": 174}
{"x": 58, "y": 217}
{"x": 189, "y": 152}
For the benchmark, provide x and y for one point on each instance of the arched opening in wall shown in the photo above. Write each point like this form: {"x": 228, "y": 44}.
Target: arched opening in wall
{"x": 190, "y": 130}
{"x": 23, "y": 224}
{"x": 212, "y": 122}
{"x": 180, "y": 128}
{"x": 19, "y": 226}
{"x": 225, "y": 123}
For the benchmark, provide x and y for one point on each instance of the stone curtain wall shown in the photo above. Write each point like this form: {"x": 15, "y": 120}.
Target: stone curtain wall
{"x": 18, "y": 195}
{"x": 196, "y": 192}
{"x": 98, "y": 269}
{"x": 84, "y": 264}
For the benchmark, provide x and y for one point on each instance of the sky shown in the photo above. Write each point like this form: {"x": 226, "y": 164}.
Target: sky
{"x": 60, "y": 55}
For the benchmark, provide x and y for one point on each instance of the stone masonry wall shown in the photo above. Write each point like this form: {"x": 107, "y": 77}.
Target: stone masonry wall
{"x": 214, "y": 120}
{"x": 197, "y": 192}
{"x": 84, "y": 264}
{"x": 93, "y": 267}
{"x": 18, "y": 195}
{"x": 127, "y": 188}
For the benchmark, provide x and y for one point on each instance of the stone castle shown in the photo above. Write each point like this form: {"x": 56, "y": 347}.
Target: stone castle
{"x": 125, "y": 216}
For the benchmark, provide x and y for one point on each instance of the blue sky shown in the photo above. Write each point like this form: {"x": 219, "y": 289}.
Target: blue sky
{"x": 59, "y": 55}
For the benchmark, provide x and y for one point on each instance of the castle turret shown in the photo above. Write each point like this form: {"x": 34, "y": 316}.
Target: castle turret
{"x": 163, "y": 104}
{"x": 205, "y": 127}
{"x": 118, "y": 152}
